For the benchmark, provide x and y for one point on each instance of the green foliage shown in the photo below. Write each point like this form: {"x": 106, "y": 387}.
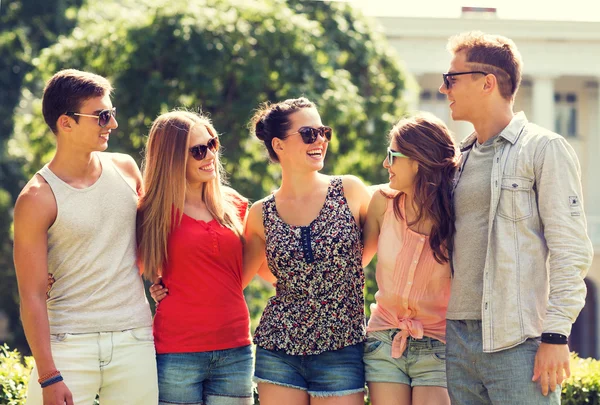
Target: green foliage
{"x": 583, "y": 387}
{"x": 226, "y": 57}
{"x": 26, "y": 27}
{"x": 14, "y": 375}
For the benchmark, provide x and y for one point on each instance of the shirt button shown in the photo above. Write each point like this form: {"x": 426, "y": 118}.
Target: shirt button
{"x": 410, "y": 282}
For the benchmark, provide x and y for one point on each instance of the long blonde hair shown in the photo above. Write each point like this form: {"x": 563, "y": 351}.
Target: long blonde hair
{"x": 161, "y": 208}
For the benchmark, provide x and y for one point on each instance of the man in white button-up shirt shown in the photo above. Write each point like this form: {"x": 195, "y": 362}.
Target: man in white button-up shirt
{"x": 520, "y": 250}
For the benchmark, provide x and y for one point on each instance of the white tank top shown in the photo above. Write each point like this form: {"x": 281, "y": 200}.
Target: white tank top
{"x": 91, "y": 254}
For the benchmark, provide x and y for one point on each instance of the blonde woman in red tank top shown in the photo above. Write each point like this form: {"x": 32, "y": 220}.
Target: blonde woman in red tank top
{"x": 410, "y": 227}
{"x": 190, "y": 233}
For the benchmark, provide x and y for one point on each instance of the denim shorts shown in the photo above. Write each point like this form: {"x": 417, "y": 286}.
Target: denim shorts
{"x": 423, "y": 363}
{"x": 332, "y": 373}
{"x": 220, "y": 377}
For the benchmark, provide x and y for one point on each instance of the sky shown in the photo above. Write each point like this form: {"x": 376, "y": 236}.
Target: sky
{"x": 548, "y": 10}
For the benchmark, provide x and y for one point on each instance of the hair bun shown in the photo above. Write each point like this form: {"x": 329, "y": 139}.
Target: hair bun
{"x": 260, "y": 130}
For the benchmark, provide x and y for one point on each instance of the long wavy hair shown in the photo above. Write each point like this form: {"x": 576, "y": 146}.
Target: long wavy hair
{"x": 426, "y": 139}
{"x": 161, "y": 208}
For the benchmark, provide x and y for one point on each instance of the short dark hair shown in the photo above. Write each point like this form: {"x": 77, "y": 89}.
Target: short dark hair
{"x": 272, "y": 121}
{"x": 494, "y": 54}
{"x": 67, "y": 90}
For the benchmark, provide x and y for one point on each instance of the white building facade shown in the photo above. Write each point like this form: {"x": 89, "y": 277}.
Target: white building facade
{"x": 560, "y": 91}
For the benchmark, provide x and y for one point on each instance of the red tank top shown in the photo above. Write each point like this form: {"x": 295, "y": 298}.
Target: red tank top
{"x": 205, "y": 309}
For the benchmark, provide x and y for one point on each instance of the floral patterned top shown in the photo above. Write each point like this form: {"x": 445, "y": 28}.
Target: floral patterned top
{"x": 319, "y": 303}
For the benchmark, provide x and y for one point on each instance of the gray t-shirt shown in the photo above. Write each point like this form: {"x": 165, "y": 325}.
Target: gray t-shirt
{"x": 472, "y": 206}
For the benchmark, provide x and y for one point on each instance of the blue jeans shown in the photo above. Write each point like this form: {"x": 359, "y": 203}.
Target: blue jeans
{"x": 503, "y": 377}
{"x": 332, "y": 373}
{"x": 220, "y": 377}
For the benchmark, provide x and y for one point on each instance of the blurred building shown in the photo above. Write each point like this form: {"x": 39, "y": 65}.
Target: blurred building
{"x": 560, "y": 91}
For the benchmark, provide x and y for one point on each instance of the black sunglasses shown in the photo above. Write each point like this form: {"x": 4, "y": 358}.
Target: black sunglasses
{"x": 103, "y": 116}
{"x": 447, "y": 75}
{"x": 309, "y": 134}
{"x": 198, "y": 152}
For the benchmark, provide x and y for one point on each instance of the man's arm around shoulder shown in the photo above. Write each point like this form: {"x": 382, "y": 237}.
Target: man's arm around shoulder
{"x": 34, "y": 213}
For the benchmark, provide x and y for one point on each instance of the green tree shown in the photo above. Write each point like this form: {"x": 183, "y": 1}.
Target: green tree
{"x": 26, "y": 27}
{"x": 226, "y": 57}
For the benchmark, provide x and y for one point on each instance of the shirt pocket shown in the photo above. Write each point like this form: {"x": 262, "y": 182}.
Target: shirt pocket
{"x": 516, "y": 198}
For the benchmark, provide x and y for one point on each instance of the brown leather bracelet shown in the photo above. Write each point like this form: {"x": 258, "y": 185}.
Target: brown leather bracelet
{"x": 47, "y": 376}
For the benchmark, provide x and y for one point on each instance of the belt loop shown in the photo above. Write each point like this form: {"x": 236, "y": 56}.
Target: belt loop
{"x": 393, "y": 333}
{"x": 429, "y": 343}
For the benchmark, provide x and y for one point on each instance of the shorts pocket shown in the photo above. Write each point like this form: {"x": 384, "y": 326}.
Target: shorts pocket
{"x": 439, "y": 355}
{"x": 515, "y": 198}
{"x": 59, "y": 337}
{"x": 372, "y": 346}
{"x": 142, "y": 334}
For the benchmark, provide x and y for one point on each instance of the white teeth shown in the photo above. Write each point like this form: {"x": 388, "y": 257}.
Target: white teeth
{"x": 208, "y": 168}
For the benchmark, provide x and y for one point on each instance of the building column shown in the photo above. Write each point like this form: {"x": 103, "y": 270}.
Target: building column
{"x": 592, "y": 147}
{"x": 543, "y": 101}
{"x": 592, "y": 191}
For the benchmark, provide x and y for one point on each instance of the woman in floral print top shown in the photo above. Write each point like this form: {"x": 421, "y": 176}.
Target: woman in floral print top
{"x": 309, "y": 340}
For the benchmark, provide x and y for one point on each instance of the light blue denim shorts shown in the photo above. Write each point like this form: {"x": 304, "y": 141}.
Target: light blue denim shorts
{"x": 332, "y": 373}
{"x": 220, "y": 377}
{"x": 423, "y": 363}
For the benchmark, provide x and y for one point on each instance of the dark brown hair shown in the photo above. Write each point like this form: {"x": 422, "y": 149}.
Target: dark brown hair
{"x": 426, "y": 139}
{"x": 67, "y": 90}
{"x": 493, "y": 54}
{"x": 272, "y": 121}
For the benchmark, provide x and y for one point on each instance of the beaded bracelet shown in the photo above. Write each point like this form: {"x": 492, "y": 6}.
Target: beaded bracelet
{"x": 53, "y": 380}
{"x": 554, "y": 338}
{"x": 48, "y": 375}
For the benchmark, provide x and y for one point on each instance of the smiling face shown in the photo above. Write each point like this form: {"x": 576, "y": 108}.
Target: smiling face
{"x": 402, "y": 171}
{"x": 293, "y": 151}
{"x": 466, "y": 91}
{"x": 85, "y": 133}
{"x": 203, "y": 170}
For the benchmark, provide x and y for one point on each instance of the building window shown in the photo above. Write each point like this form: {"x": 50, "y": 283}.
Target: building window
{"x": 434, "y": 102}
{"x": 565, "y": 120}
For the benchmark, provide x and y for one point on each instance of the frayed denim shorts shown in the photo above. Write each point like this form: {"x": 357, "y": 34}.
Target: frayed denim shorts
{"x": 423, "y": 363}
{"x": 219, "y": 377}
{"x": 332, "y": 373}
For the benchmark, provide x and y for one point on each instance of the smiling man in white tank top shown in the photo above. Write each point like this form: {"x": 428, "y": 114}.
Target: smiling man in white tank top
{"x": 90, "y": 333}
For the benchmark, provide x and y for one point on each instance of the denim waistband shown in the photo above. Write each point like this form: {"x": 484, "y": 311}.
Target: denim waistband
{"x": 425, "y": 342}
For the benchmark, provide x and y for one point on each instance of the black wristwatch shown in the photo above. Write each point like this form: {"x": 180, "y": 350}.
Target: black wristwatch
{"x": 554, "y": 338}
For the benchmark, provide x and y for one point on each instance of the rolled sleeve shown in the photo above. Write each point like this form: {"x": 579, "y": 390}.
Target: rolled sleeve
{"x": 560, "y": 204}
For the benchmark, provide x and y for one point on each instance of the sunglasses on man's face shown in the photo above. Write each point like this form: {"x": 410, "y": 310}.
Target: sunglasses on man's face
{"x": 391, "y": 154}
{"x": 309, "y": 134}
{"x": 448, "y": 83}
{"x": 198, "y": 152}
{"x": 103, "y": 116}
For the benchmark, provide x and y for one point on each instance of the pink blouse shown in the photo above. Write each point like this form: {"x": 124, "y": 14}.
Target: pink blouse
{"x": 414, "y": 288}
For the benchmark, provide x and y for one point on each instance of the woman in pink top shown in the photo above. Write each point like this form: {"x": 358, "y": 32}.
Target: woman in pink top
{"x": 410, "y": 228}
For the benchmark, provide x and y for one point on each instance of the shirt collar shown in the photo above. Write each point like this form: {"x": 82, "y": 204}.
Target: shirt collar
{"x": 511, "y": 132}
